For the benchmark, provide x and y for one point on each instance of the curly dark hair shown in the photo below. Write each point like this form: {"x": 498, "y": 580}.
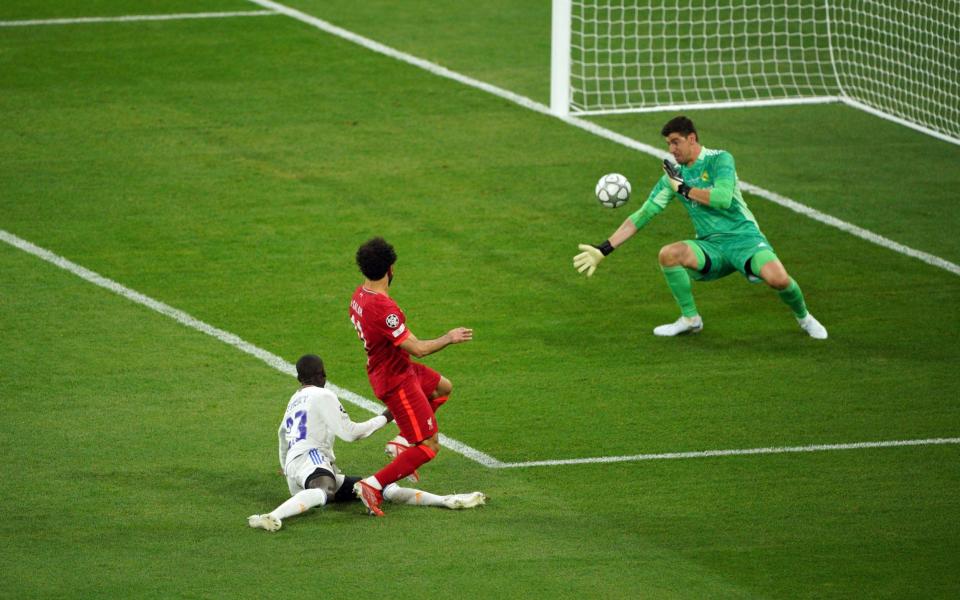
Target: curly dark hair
{"x": 375, "y": 257}
{"x": 681, "y": 125}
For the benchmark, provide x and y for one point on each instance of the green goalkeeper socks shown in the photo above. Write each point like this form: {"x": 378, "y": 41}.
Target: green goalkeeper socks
{"x": 679, "y": 281}
{"x": 793, "y": 297}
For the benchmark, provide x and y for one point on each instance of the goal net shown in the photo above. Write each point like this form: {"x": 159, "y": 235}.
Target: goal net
{"x": 900, "y": 59}
{"x": 897, "y": 58}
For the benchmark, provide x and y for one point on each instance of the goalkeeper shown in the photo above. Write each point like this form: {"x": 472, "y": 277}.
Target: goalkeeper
{"x": 728, "y": 239}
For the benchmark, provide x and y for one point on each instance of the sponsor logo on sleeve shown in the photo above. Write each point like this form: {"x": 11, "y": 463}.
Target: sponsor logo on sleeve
{"x": 393, "y": 321}
{"x": 399, "y": 331}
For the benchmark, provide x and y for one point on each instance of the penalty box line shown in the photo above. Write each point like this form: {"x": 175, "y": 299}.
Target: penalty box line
{"x": 602, "y": 132}
{"x": 356, "y": 399}
{"x": 224, "y": 336}
{"x": 362, "y": 402}
{"x": 739, "y": 452}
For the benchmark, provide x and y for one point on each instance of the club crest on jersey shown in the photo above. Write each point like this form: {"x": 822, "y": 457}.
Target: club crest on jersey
{"x": 393, "y": 321}
{"x": 705, "y": 176}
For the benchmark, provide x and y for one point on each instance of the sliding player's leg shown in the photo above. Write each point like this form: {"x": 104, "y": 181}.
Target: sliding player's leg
{"x": 412, "y": 496}
{"x": 315, "y": 486}
{"x": 400, "y": 495}
{"x": 370, "y": 489}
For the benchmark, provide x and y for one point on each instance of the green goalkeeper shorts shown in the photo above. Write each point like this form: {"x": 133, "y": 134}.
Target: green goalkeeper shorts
{"x": 724, "y": 254}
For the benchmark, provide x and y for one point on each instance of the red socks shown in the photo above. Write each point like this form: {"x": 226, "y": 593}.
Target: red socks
{"x": 404, "y": 464}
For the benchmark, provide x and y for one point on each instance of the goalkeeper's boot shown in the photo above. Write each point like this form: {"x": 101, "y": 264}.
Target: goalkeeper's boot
{"x": 471, "y": 500}
{"x": 397, "y": 446}
{"x": 371, "y": 497}
{"x": 681, "y": 325}
{"x": 268, "y": 522}
{"x": 813, "y": 327}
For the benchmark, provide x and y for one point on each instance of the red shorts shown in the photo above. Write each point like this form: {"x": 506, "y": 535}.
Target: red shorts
{"x": 410, "y": 407}
{"x": 428, "y": 378}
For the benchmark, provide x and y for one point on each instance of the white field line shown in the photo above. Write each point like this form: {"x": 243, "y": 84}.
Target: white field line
{"x": 224, "y": 336}
{"x": 362, "y": 402}
{"x": 740, "y": 452}
{"x": 447, "y": 442}
{"x": 472, "y": 453}
{"x": 595, "y": 129}
{"x": 133, "y": 18}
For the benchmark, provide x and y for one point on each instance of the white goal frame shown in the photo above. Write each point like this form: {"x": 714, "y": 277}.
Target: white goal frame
{"x": 844, "y": 84}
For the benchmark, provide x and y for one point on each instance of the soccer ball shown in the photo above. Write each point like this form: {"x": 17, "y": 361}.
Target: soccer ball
{"x": 613, "y": 190}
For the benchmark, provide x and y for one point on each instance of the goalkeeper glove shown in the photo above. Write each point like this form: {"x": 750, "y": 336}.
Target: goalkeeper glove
{"x": 676, "y": 179}
{"x": 591, "y": 256}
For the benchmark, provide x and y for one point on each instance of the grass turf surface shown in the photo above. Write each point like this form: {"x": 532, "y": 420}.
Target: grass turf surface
{"x": 230, "y": 168}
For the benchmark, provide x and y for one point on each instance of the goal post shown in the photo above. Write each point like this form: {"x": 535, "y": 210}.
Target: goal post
{"x": 899, "y": 60}
{"x": 560, "y": 58}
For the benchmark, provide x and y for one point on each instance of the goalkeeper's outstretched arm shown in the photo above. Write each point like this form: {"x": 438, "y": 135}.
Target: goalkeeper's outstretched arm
{"x": 590, "y": 255}
{"x": 623, "y": 233}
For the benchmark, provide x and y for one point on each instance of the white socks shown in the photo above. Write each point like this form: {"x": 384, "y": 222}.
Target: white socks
{"x": 300, "y": 503}
{"x": 401, "y": 495}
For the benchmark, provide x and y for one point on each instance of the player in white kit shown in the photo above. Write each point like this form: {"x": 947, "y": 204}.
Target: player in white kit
{"x": 313, "y": 419}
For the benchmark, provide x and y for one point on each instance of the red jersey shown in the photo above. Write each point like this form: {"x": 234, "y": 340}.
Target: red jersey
{"x": 382, "y": 327}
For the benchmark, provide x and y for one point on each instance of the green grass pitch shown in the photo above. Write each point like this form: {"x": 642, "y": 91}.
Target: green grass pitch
{"x": 229, "y": 167}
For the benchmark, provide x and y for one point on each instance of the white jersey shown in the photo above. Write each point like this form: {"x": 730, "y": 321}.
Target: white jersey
{"x": 314, "y": 417}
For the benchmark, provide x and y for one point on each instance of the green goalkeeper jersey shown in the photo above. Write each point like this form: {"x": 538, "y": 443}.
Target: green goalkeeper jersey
{"x": 727, "y": 213}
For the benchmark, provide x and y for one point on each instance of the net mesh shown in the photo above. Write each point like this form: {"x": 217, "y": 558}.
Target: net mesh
{"x": 897, "y": 56}
{"x": 901, "y": 58}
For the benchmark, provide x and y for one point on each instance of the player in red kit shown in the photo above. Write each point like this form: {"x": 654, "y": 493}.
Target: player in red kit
{"x": 410, "y": 390}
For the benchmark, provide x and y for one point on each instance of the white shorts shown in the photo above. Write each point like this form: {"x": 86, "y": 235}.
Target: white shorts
{"x": 301, "y": 467}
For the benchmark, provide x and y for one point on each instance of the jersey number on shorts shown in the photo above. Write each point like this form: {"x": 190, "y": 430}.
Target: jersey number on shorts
{"x": 301, "y": 416}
